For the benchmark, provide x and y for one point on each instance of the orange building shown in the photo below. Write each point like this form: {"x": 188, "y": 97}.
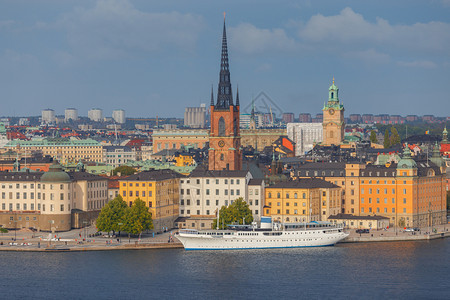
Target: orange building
{"x": 410, "y": 193}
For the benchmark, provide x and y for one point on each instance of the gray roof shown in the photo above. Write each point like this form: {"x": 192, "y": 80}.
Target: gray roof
{"x": 199, "y": 172}
{"x": 153, "y": 175}
{"x": 255, "y": 182}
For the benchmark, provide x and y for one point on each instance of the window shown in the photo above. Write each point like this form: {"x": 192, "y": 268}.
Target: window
{"x": 207, "y": 191}
{"x": 295, "y": 195}
{"x": 131, "y": 193}
{"x": 226, "y": 192}
{"x": 217, "y": 191}
{"x": 124, "y": 193}
{"x": 362, "y": 209}
{"x": 304, "y": 195}
{"x": 198, "y": 191}
{"x": 378, "y": 200}
{"x": 226, "y": 181}
{"x": 404, "y": 191}
{"x": 404, "y": 210}
{"x": 207, "y": 181}
{"x": 370, "y": 209}
{"x": 61, "y": 196}
{"x": 393, "y": 210}
{"x": 143, "y": 193}
{"x": 238, "y": 192}
{"x": 198, "y": 181}
{"x": 217, "y": 181}
{"x": 256, "y": 202}
{"x": 238, "y": 182}
{"x": 221, "y": 126}
{"x": 231, "y": 181}
{"x": 370, "y": 200}
{"x": 198, "y": 202}
{"x": 404, "y": 200}
{"x": 270, "y": 195}
{"x": 207, "y": 203}
{"x": 287, "y": 195}
{"x": 278, "y": 195}
{"x": 62, "y": 207}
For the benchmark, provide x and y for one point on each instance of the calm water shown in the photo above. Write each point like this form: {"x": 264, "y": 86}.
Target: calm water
{"x": 391, "y": 270}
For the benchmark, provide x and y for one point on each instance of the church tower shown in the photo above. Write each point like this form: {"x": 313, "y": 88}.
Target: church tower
{"x": 225, "y": 151}
{"x": 333, "y": 118}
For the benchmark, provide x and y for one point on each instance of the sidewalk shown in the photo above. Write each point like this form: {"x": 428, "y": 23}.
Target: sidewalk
{"x": 398, "y": 234}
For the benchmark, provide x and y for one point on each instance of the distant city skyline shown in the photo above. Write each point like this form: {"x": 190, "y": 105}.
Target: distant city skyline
{"x": 158, "y": 58}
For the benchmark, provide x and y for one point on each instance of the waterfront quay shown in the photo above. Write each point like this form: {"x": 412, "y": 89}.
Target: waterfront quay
{"x": 86, "y": 240}
{"x": 83, "y": 240}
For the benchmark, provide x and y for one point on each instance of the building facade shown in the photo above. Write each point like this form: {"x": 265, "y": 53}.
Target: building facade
{"x": 70, "y": 114}
{"x": 95, "y": 114}
{"x": 260, "y": 138}
{"x": 177, "y": 138}
{"x": 118, "y": 155}
{"x": 62, "y": 149}
{"x": 303, "y": 200}
{"x": 305, "y": 136}
{"x": 195, "y": 117}
{"x": 160, "y": 190}
{"x": 118, "y": 116}
{"x": 48, "y": 116}
{"x": 333, "y": 118}
{"x": 47, "y": 201}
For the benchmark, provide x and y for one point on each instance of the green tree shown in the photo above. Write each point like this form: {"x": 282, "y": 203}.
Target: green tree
{"x": 395, "y": 138}
{"x": 235, "y": 213}
{"x": 3, "y": 230}
{"x": 111, "y": 215}
{"x": 137, "y": 218}
{"x": 387, "y": 143}
{"x": 373, "y": 137}
{"x": 124, "y": 171}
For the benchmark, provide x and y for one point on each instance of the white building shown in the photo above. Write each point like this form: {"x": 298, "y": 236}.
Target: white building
{"x": 195, "y": 116}
{"x": 70, "y": 114}
{"x": 305, "y": 135}
{"x": 48, "y": 116}
{"x": 117, "y": 155}
{"x": 118, "y": 116}
{"x": 244, "y": 120}
{"x": 204, "y": 192}
{"x": 95, "y": 114}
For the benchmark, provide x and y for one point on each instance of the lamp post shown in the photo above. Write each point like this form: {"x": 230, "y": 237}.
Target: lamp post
{"x": 51, "y": 231}
{"x": 120, "y": 236}
{"x": 85, "y": 233}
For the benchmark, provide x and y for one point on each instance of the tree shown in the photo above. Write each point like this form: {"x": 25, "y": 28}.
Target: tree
{"x": 111, "y": 215}
{"x": 387, "y": 143}
{"x": 395, "y": 138}
{"x": 235, "y": 213}
{"x": 137, "y": 218}
{"x": 124, "y": 170}
{"x": 3, "y": 230}
{"x": 373, "y": 137}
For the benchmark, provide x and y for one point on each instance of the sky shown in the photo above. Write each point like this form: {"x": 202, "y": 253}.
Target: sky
{"x": 154, "y": 58}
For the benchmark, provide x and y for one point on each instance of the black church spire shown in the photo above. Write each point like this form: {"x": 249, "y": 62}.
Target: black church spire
{"x": 224, "y": 94}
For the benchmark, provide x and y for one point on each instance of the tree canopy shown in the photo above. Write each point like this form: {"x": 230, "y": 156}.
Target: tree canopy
{"x": 112, "y": 214}
{"x": 395, "y": 138}
{"x": 235, "y": 213}
{"x": 124, "y": 171}
{"x": 137, "y": 218}
{"x": 373, "y": 137}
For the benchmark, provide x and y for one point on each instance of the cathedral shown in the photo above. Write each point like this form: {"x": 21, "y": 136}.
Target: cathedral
{"x": 225, "y": 151}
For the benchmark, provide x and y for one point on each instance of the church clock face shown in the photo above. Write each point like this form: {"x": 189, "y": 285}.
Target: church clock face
{"x": 331, "y": 111}
{"x": 221, "y": 143}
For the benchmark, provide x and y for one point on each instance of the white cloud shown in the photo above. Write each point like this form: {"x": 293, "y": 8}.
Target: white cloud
{"x": 112, "y": 28}
{"x": 418, "y": 64}
{"x": 370, "y": 56}
{"x": 250, "y": 39}
{"x": 349, "y": 29}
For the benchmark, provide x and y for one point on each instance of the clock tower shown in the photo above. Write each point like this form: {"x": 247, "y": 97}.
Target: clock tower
{"x": 225, "y": 151}
{"x": 333, "y": 118}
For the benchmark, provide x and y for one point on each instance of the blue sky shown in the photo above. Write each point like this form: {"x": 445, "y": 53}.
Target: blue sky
{"x": 157, "y": 57}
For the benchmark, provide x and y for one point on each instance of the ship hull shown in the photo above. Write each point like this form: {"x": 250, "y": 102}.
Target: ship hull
{"x": 235, "y": 240}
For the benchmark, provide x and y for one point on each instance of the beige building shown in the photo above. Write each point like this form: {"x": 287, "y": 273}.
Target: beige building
{"x": 64, "y": 150}
{"x": 360, "y": 222}
{"x": 46, "y": 201}
{"x": 260, "y": 138}
{"x": 176, "y": 138}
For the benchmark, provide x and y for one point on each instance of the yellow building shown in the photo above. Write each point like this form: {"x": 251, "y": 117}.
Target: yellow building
{"x": 62, "y": 149}
{"x": 159, "y": 190}
{"x": 302, "y": 200}
{"x": 184, "y": 159}
{"x": 177, "y": 138}
{"x": 260, "y": 138}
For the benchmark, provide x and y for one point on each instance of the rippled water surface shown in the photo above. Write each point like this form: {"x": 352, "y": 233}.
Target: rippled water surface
{"x": 393, "y": 270}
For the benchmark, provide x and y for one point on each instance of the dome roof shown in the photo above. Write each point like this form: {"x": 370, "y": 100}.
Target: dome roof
{"x": 406, "y": 162}
{"x": 55, "y": 174}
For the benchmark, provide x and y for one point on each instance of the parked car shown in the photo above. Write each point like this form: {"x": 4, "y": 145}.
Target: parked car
{"x": 409, "y": 230}
{"x": 362, "y": 231}
{"x": 416, "y": 229}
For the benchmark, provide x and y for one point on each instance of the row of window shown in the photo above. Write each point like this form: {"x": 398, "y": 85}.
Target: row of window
{"x": 288, "y": 212}
{"x": 269, "y": 195}
{"x": 225, "y": 181}
{"x": 188, "y": 212}
{"x": 385, "y": 200}
{"x": 379, "y": 190}
{"x": 25, "y": 196}
{"x": 287, "y": 204}
{"x": 25, "y": 206}
{"x": 137, "y": 193}
{"x": 188, "y": 202}
{"x": 208, "y": 192}
{"x": 378, "y": 210}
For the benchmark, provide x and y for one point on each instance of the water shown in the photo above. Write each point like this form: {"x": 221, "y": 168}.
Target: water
{"x": 376, "y": 270}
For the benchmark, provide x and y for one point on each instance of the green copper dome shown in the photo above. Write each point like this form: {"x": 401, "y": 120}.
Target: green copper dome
{"x": 406, "y": 162}
{"x": 55, "y": 174}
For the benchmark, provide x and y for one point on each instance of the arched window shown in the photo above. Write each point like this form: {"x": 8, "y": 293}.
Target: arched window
{"x": 332, "y": 95}
{"x": 270, "y": 195}
{"x": 221, "y": 127}
{"x": 235, "y": 126}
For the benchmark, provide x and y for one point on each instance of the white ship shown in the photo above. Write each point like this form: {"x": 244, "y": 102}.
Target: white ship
{"x": 313, "y": 234}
